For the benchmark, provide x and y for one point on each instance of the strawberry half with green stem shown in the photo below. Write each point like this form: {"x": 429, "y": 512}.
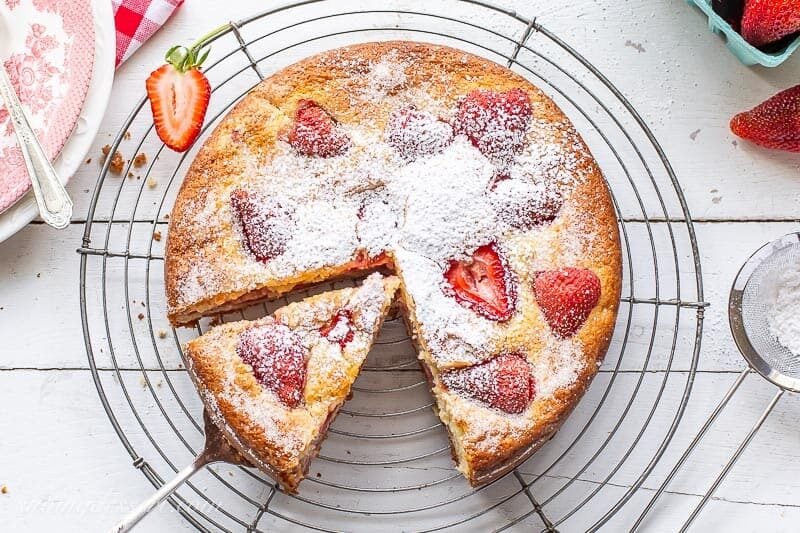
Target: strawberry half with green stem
{"x": 482, "y": 285}
{"x": 179, "y": 93}
{"x": 774, "y": 123}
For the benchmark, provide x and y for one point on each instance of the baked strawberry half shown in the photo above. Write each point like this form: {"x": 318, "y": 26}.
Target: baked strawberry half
{"x": 482, "y": 284}
{"x": 340, "y": 328}
{"x": 767, "y": 21}
{"x": 774, "y": 123}
{"x": 278, "y": 358}
{"x": 505, "y": 382}
{"x": 566, "y": 297}
{"x": 495, "y": 122}
{"x": 263, "y": 222}
{"x": 315, "y": 133}
{"x": 413, "y": 133}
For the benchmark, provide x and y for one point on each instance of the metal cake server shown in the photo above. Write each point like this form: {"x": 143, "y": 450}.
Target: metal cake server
{"x": 216, "y": 449}
{"x": 55, "y": 205}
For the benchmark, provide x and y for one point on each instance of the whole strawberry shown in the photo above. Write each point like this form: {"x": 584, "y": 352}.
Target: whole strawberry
{"x": 179, "y": 93}
{"x": 566, "y": 297}
{"x": 504, "y": 383}
{"x": 774, "y": 123}
{"x": 766, "y": 21}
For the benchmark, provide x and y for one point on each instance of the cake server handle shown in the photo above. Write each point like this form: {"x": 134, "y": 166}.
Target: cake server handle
{"x": 55, "y": 205}
{"x": 166, "y": 490}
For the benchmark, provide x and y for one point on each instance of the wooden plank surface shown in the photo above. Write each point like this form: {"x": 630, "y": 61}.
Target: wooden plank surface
{"x": 64, "y": 466}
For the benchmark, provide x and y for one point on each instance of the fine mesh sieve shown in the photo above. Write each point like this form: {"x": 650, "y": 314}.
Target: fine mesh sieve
{"x": 748, "y": 309}
{"x": 749, "y": 306}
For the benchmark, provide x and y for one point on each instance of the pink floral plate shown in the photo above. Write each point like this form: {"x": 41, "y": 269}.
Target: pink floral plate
{"x": 48, "y": 48}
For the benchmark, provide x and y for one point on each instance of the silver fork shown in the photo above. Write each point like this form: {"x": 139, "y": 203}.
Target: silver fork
{"x": 55, "y": 205}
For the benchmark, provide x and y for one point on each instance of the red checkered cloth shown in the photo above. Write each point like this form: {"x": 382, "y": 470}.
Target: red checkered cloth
{"x": 137, "y": 21}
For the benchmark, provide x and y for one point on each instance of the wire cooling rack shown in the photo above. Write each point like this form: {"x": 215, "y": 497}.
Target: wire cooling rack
{"x": 386, "y": 460}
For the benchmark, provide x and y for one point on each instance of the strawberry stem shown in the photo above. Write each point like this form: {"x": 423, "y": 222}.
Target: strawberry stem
{"x": 202, "y": 41}
{"x": 183, "y": 58}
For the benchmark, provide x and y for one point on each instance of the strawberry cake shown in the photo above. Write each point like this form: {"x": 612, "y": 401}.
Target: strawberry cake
{"x": 452, "y": 172}
{"x": 274, "y": 385}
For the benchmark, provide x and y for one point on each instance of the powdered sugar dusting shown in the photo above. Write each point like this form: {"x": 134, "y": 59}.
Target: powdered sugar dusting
{"x": 558, "y": 365}
{"x": 330, "y": 368}
{"x": 383, "y": 77}
{"x": 427, "y": 210}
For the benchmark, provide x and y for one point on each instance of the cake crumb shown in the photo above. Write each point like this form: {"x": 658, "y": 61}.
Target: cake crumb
{"x": 88, "y": 160}
{"x": 4, "y": 490}
{"x": 127, "y": 135}
{"x": 130, "y": 174}
{"x": 140, "y": 316}
{"x": 162, "y": 334}
{"x": 140, "y": 160}
{"x": 157, "y": 236}
{"x": 117, "y": 161}
{"x": 151, "y": 182}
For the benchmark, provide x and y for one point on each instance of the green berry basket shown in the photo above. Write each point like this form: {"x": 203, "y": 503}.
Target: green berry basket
{"x": 744, "y": 51}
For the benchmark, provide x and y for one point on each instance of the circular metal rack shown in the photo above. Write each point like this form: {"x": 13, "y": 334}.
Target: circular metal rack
{"x": 386, "y": 457}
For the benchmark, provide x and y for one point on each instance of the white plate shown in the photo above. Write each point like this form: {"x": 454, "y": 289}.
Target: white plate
{"x": 79, "y": 143}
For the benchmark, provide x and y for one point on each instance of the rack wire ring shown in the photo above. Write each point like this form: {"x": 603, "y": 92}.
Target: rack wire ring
{"x": 602, "y": 446}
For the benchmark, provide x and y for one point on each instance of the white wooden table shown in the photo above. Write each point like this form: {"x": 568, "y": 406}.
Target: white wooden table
{"x": 63, "y": 465}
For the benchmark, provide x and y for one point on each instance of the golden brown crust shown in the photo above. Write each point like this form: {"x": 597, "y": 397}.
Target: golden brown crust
{"x": 331, "y": 79}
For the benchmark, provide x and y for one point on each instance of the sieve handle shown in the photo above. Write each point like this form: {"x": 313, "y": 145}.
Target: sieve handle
{"x": 734, "y": 458}
{"x": 690, "y": 448}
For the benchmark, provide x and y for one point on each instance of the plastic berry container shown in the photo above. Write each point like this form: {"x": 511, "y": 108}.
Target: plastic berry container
{"x": 744, "y": 51}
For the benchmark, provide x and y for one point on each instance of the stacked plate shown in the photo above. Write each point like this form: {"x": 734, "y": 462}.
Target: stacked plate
{"x": 60, "y": 57}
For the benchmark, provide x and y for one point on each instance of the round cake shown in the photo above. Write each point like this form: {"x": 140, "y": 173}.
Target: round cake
{"x": 450, "y": 171}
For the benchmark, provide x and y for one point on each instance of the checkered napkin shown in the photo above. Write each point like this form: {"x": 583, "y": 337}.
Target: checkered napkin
{"x": 137, "y": 21}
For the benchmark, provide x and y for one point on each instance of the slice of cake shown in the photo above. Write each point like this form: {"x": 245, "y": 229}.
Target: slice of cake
{"x": 274, "y": 385}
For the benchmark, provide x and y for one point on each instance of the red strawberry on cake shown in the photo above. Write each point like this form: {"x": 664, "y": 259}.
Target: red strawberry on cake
{"x": 566, "y": 297}
{"x": 415, "y": 134}
{"x": 505, "y": 383}
{"x": 274, "y": 385}
{"x": 314, "y": 132}
{"x": 339, "y": 328}
{"x": 263, "y": 222}
{"x": 481, "y": 283}
{"x": 495, "y": 122}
